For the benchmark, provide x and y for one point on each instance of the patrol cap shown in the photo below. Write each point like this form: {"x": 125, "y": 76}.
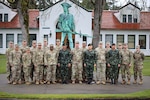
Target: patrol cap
{"x": 51, "y": 45}
{"x": 40, "y": 44}
{"x": 27, "y": 48}
{"x": 57, "y": 40}
{"x": 100, "y": 42}
{"x": 45, "y": 40}
{"x": 113, "y": 44}
{"x": 66, "y": 5}
{"x": 84, "y": 42}
{"x": 108, "y": 42}
{"x": 10, "y": 42}
{"x": 77, "y": 42}
{"x": 90, "y": 44}
{"x": 16, "y": 45}
{"x": 125, "y": 44}
{"x": 24, "y": 41}
{"x": 64, "y": 44}
{"x": 138, "y": 46}
{"x": 120, "y": 44}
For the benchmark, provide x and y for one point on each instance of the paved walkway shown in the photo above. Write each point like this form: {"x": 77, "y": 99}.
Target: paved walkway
{"x": 72, "y": 88}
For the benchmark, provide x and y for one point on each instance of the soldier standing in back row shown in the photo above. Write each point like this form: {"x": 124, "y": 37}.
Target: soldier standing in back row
{"x": 113, "y": 62}
{"x": 89, "y": 62}
{"x": 64, "y": 61}
{"x": 77, "y": 68}
{"x": 50, "y": 60}
{"x": 101, "y": 63}
{"x": 38, "y": 66}
{"x": 16, "y": 64}
{"x": 27, "y": 61}
{"x": 126, "y": 64}
{"x": 8, "y": 51}
{"x": 138, "y": 57}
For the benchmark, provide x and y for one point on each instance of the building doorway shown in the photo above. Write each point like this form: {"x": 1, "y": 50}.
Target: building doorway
{"x": 58, "y": 36}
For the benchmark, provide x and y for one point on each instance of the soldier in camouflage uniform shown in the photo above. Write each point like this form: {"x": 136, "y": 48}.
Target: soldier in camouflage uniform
{"x": 8, "y": 51}
{"x": 120, "y": 52}
{"x": 83, "y": 50}
{"x": 126, "y": 64}
{"x": 101, "y": 63}
{"x": 33, "y": 50}
{"x": 138, "y": 57}
{"x": 45, "y": 49}
{"x": 89, "y": 62}
{"x": 38, "y": 66}
{"x": 107, "y": 68}
{"x": 77, "y": 68}
{"x": 50, "y": 60}
{"x": 27, "y": 61}
{"x": 16, "y": 64}
{"x": 23, "y": 50}
{"x": 58, "y": 47}
{"x": 113, "y": 62}
{"x": 64, "y": 61}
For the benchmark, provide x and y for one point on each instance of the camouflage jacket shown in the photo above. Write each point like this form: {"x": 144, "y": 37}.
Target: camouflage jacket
{"x": 26, "y": 59}
{"x": 64, "y": 57}
{"x": 90, "y": 57}
{"x": 77, "y": 55}
{"x": 33, "y": 51}
{"x": 101, "y": 55}
{"x": 50, "y": 58}
{"x": 138, "y": 58}
{"x": 39, "y": 57}
{"x": 126, "y": 56}
{"x": 8, "y": 52}
{"x": 114, "y": 57}
{"x": 23, "y": 49}
{"x": 15, "y": 58}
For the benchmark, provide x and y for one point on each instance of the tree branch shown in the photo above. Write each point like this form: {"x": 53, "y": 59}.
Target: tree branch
{"x": 92, "y": 2}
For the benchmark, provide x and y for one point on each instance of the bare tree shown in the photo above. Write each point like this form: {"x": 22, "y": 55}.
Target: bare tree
{"x": 98, "y": 9}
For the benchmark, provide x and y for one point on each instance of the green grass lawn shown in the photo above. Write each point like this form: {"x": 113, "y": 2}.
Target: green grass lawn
{"x": 2, "y": 64}
{"x": 141, "y": 95}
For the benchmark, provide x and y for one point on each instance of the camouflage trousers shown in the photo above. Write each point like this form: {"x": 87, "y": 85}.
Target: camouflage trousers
{"x": 16, "y": 73}
{"x": 44, "y": 72}
{"x": 107, "y": 72}
{"x": 38, "y": 73}
{"x": 113, "y": 71}
{"x": 138, "y": 70}
{"x": 64, "y": 72}
{"x": 125, "y": 69}
{"x": 8, "y": 69}
{"x": 27, "y": 73}
{"x": 100, "y": 73}
{"x": 89, "y": 68}
{"x": 51, "y": 73}
{"x": 77, "y": 71}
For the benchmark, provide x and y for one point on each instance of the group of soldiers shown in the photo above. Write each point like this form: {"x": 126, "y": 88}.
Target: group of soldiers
{"x": 50, "y": 64}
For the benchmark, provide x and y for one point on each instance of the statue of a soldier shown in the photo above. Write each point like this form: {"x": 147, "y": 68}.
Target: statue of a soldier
{"x": 66, "y": 24}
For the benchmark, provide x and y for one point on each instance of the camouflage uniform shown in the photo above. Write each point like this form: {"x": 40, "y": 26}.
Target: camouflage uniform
{"x": 101, "y": 64}
{"x": 126, "y": 61}
{"x": 8, "y": 52}
{"x": 107, "y": 68}
{"x": 16, "y": 63}
{"x": 64, "y": 59}
{"x": 83, "y": 73}
{"x": 77, "y": 68}
{"x": 138, "y": 65}
{"x": 27, "y": 61}
{"x": 89, "y": 59}
{"x": 39, "y": 62}
{"x": 113, "y": 58}
{"x": 50, "y": 60}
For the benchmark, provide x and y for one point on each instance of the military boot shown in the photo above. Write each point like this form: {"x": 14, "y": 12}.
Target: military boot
{"x": 123, "y": 82}
{"x": 141, "y": 82}
{"x": 98, "y": 82}
{"x": 128, "y": 83}
{"x": 73, "y": 82}
{"x": 135, "y": 82}
{"x": 80, "y": 82}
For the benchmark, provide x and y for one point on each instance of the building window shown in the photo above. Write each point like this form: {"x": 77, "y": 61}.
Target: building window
{"x": 84, "y": 38}
{"x": 100, "y": 38}
{"x": 135, "y": 20}
{"x": 19, "y": 39}
{"x": 124, "y": 19}
{"x": 32, "y": 37}
{"x": 1, "y": 17}
{"x": 46, "y": 37}
{"x": 9, "y": 37}
{"x": 120, "y": 39}
{"x": 129, "y": 18}
{"x": 1, "y": 40}
{"x": 142, "y": 41}
{"x": 5, "y": 17}
{"x": 109, "y": 38}
{"x": 131, "y": 41}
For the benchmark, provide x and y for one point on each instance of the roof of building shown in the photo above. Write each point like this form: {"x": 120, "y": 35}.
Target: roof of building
{"x": 14, "y": 23}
